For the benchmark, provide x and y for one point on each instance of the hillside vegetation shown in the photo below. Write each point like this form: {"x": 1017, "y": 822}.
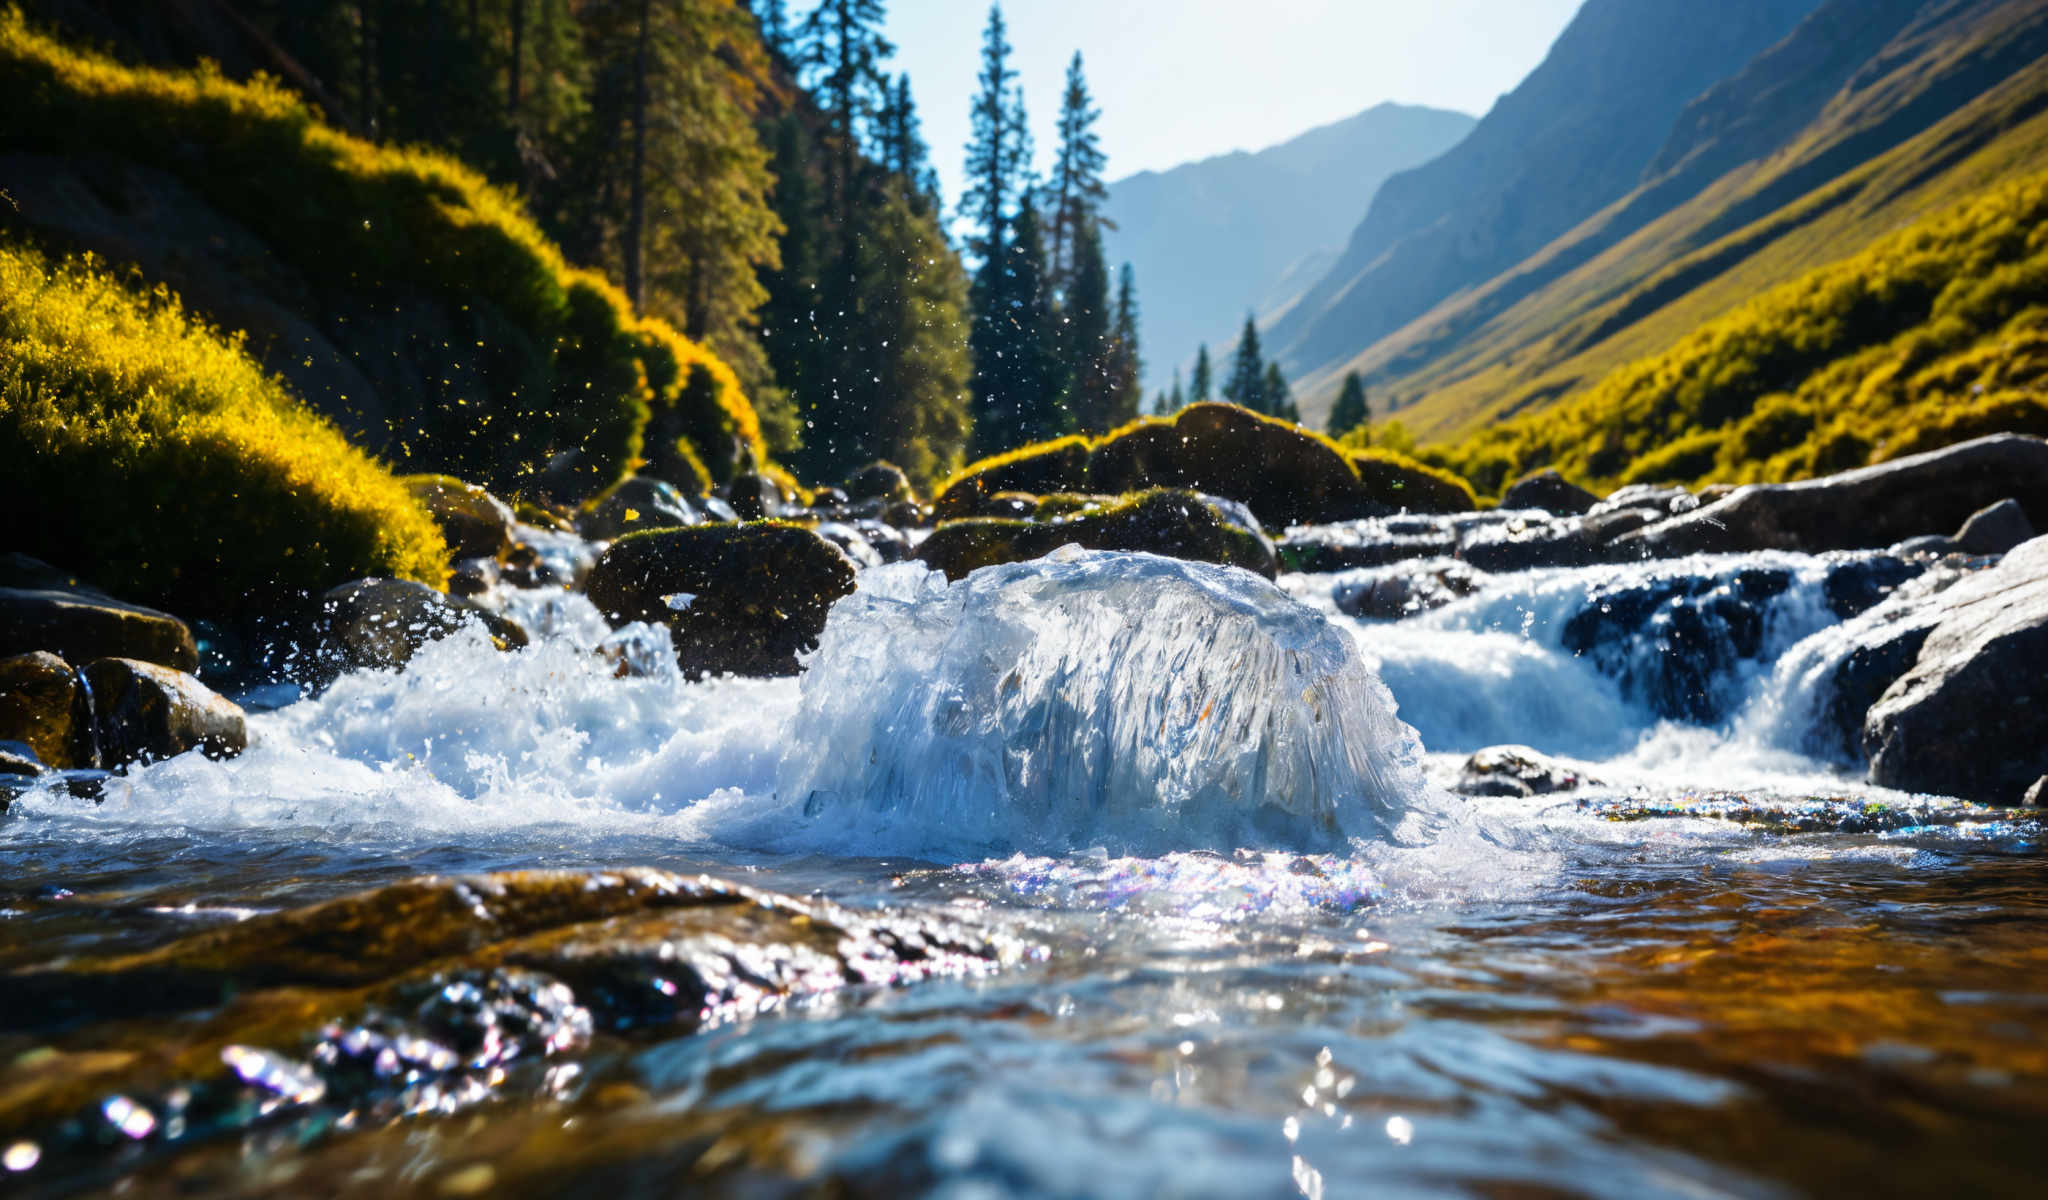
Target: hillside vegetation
{"x": 145, "y": 449}
{"x": 1935, "y": 334}
{"x": 493, "y": 358}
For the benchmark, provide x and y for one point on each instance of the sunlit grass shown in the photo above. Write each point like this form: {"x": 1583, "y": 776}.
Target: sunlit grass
{"x": 147, "y": 452}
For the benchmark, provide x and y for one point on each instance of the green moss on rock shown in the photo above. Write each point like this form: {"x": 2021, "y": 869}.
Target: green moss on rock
{"x": 1171, "y": 522}
{"x": 1060, "y": 465}
{"x": 1398, "y": 481}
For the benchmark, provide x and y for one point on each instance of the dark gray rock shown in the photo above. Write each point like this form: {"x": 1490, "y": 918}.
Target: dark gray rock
{"x": 1970, "y": 718}
{"x": 381, "y": 623}
{"x": 753, "y": 497}
{"x": 1927, "y": 545}
{"x": 1874, "y": 506}
{"x": 1531, "y": 544}
{"x": 475, "y": 523}
{"x": 852, "y": 543}
{"x": 1995, "y": 530}
{"x": 740, "y": 599}
{"x": 633, "y": 504}
{"x": 883, "y": 481}
{"x": 1517, "y": 771}
{"x": 1550, "y": 492}
{"x": 1390, "y": 595}
{"x": 44, "y": 609}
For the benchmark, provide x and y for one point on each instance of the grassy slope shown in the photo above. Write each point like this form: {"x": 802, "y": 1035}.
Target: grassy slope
{"x": 569, "y": 366}
{"x": 148, "y": 452}
{"x": 1645, "y": 293}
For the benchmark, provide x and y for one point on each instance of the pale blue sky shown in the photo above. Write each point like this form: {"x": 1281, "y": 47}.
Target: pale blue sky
{"x": 1179, "y": 80}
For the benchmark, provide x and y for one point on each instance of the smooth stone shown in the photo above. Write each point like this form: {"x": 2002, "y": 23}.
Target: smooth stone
{"x": 79, "y": 624}
{"x": 1995, "y": 529}
{"x": 754, "y": 497}
{"x": 635, "y": 503}
{"x": 1517, "y": 771}
{"x": 144, "y": 712}
{"x": 1549, "y": 491}
{"x": 381, "y": 623}
{"x": 42, "y": 707}
{"x": 1168, "y": 522}
{"x": 1970, "y": 718}
{"x": 880, "y": 481}
{"x": 475, "y": 523}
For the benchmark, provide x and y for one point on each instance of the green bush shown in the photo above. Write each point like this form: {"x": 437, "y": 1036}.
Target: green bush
{"x": 568, "y": 365}
{"x": 148, "y": 453}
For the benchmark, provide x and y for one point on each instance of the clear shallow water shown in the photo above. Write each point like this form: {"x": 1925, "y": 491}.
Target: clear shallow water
{"x": 1520, "y": 998}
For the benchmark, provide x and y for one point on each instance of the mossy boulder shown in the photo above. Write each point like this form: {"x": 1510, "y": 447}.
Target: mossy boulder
{"x": 635, "y": 503}
{"x": 144, "y": 713}
{"x": 884, "y": 481}
{"x": 78, "y": 624}
{"x": 1060, "y": 465}
{"x": 1165, "y": 521}
{"x": 43, "y": 707}
{"x": 1549, "y": 491}
{"x": 740, "y": 599}
{"x": 1282, "y": 472}
{"x": 1400, "y": 482}
{"x": 474, "y": 523}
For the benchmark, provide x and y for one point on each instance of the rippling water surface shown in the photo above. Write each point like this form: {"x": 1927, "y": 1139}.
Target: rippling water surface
{"x": 1729, "y": 970}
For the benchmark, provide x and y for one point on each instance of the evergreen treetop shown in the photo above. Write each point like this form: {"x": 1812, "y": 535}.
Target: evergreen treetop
{"x": 1351, "y": 409}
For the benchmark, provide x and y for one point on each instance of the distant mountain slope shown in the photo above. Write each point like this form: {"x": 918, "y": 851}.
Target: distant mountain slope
{"x": 1211, "y": 238}
{"x": 1575, "y": 135}
{"x": 1952, "y": 98}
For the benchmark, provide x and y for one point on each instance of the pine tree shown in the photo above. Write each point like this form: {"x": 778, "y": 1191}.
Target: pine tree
{"x": 1351, "y": 410}
{"x": 842, "y": 46}
{"x": 1246, "y": 383}
{"x": 1086, "y": 324}
{"x": 1129, "y": 366}
{"x": 914, "y": 315}
{"x": 998, "y": 156}
{"x": 1200, "y": 386}
{"x": 1075, "y": 193}
{"x": 1177, "y": 399}
{"x": 900, "y": 143}
{"x": 1277, "y": 397}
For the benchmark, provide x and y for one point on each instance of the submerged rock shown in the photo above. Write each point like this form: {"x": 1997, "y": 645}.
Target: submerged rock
{"x": 475, "y": 523}
{"x": 144, "y": 713}
{"x": 744, "y": 599}
{"x": 1549, "y": 491}
{"x": 1138, "y": 703}
{"x": 43, "y": 708}
{"x": 1517, "y": 771}
{"x": 1176, "y": 524}
{"x": 1970, "y": 718}
{"x": 53, "y": 612}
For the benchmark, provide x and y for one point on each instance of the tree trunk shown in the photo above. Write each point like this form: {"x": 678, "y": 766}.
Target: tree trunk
{"x": 636, "y": 216}
{"x": 518, "y": 56}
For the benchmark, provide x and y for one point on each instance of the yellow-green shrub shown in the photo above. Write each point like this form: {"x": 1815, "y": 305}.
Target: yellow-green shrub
{"x": 569, "y": 366}
{"x": 1935, "y": 334}
{"x": 147, "y": 452}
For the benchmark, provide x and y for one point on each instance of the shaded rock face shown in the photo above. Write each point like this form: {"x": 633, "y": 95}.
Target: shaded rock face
{"x": 1970, "y": 718}
{"x": 1394, "y": 595}
{"x": 381, "y": 623}
{"x": 47, "y": 610}
{"x": 144, "y": 712}
{"x": 475, "y": 523}
{"x": 1058, "y": 466}
{"x": 1406, "y": 487}
{"x": 1875, "y": 506}
{"x": 1516, "y": 771}
{"x": 1168, "y": 522}
{"x": 754, "y": 497}
{"x": 1670, "y": 642}
{"x": 882, "y": 481}
{"x": 1994, "y": 530}
{"x": 633, "y": 504}
{"x": 43, "y": 707}
{"x": 465, "y": 990}
{"x": 1551, "y": 492}
{"x": 744, "y": 599}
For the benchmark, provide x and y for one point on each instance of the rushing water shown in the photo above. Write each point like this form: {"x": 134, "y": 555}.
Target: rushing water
{"x": 1272, "y": 954}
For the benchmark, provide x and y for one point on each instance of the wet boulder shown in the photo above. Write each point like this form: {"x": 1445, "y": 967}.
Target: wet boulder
{"x": 43, "y": 708}
{"x": 379, "y": 624}
{"x": 1995, "y": 529}
{"x": 633, "y": 504}
{"x": 1970, "y": 718}
{"x": 1391, "y": 595}
{"x": 1549, "y": 491}
{"x": 143, "y": 712}
{"x": 474, "y": 523}
{"x": 1403, "y": 484}
{"x": 43, "y": 609}
{"x": 1165, "y": 521}
{"x": 740, "y": 599}
{"x": 884, "y": 481}
{"x": 1518, "y": 772}
{"x": 1931, "y": 493}
{"x": 755, "y": 497}
{"x": 1525, "y": 544}
{"x": 852, "y": 542}
{"x": 906, "y": 514}
{"x": 1671, "y": 641}
{"x": 2037, "y": 795}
